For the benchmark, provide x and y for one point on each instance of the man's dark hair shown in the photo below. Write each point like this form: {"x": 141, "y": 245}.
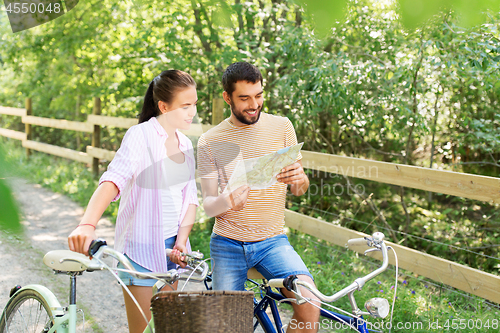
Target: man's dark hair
{"x": 239, "y": 71}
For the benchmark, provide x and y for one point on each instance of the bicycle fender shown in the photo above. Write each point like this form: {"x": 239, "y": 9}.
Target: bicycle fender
{"x": 51, "y": 299}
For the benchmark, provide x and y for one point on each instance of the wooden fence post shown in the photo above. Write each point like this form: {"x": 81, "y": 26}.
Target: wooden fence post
{"x": 27, "y": 127}
{"x": 217, "y": 111}
{"x": 96, "y": 136}
{"x": 77, "y": 116}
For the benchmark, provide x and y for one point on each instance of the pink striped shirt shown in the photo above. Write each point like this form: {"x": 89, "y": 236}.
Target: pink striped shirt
{"x": 137, "y": 172}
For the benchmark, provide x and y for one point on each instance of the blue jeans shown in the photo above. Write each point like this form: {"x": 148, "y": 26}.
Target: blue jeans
{"x": 130, "y": 280}
{"x": 273, "y": 258}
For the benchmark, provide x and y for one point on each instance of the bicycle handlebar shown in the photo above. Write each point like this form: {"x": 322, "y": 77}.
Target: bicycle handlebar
{"x": 99, "y": 249}
{"x": 292, "y": 283}
{"x": 357, "y": 242}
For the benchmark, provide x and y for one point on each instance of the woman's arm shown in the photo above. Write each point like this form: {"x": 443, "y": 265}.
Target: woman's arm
{"x": 182, "y": 235}
{"x": 79, "y": 240}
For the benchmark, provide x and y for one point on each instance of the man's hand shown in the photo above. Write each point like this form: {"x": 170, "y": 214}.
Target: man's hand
{"x": 292, "y": 174}
{"x": 237, "y": 199}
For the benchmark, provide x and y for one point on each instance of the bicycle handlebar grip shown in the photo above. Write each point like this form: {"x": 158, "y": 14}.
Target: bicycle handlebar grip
{"x": 288, "y": 282}
{"x": 275, "y": 283}
{"x": 357, "y": 242}
{"x": 96, "y": 245}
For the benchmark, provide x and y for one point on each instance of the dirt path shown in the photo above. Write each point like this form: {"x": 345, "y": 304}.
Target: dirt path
{"x": 48, "y": 219}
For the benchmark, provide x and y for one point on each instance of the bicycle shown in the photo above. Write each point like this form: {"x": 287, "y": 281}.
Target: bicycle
{"x": 376, "y": 307}
{"x": 51, "y": 316}
{"x": 34, "y": 308}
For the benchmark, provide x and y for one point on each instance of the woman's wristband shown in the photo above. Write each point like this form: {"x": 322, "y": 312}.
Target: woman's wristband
{"x": 86, "y": 224}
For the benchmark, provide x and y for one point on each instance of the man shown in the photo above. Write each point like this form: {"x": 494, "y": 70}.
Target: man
{"x": 248, "y": 231}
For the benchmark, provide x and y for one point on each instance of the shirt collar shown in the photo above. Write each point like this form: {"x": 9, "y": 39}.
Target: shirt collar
{"x": 161, "y": 132}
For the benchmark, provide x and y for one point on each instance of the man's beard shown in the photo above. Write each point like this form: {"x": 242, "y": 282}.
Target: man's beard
{"x": 240, "y": 115}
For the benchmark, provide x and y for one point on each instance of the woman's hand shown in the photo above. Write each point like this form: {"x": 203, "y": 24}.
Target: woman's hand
{"x": 175, "y": 255}
{"x": 79, "y": 240}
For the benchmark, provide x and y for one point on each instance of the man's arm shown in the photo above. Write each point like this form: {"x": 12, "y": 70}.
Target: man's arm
{"x": 215, "y": 204}
{"x": 295, "y": 176}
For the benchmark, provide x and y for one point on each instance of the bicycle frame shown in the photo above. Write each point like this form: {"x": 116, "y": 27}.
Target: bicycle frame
{"x": 270, "y": 298}
{"x": 64, "y": 321}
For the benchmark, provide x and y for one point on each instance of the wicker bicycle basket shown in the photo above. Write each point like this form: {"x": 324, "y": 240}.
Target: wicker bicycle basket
{"x": 204, "y": 311}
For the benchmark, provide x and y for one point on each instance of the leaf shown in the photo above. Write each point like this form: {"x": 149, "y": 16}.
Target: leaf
{"x": 446, "y": 211}
{"x": 221, "y": 16}
{"x": 324, "y": 13}
{"x": 414, "y": 13}
{"x": 9, "y": 219}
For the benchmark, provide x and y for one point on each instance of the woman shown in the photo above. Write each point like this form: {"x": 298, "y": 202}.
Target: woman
{"x": 153, "y": 172}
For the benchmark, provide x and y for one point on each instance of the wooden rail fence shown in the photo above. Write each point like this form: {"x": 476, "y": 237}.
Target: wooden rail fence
{"x": 470, "y": 186}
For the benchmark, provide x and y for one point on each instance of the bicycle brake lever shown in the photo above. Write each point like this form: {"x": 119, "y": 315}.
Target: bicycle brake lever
{"x": 371, "y": 250}
{"x": 291, "y": 300}
{"x": 298, "y": 295}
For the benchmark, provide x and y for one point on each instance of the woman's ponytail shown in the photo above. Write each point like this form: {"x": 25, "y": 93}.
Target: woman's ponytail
{"x": 163, "y": 88}
{"x": 150, "y": 107}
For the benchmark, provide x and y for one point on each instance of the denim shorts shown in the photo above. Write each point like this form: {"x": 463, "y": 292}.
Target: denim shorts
{"x": 273, "y": 258}
{"x": 130, "y": 280}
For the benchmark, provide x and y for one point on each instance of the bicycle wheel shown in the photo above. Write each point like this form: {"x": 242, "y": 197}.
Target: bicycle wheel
{"x": 27, "y": 311}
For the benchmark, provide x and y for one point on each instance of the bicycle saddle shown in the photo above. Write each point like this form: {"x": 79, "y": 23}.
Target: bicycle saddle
{"x": 66, "y": 261}
{"x": 253, "y": 274}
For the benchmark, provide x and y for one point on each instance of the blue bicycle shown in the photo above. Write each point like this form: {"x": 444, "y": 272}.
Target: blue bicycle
{"x": 34, "y": 308}
{"x": 376, "y": 307}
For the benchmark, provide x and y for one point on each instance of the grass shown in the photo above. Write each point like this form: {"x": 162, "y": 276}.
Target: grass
{"x": 421, "y": 305}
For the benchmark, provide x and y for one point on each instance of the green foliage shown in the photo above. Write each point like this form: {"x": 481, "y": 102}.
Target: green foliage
{"x": 371, "y": 88}
{"x": 324, "y": 13}
{"x": 368, "y": 88}
{"x": 414, "y": 13}
{"x": 9, "y": 219}
{"x": 200, "y": 235}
